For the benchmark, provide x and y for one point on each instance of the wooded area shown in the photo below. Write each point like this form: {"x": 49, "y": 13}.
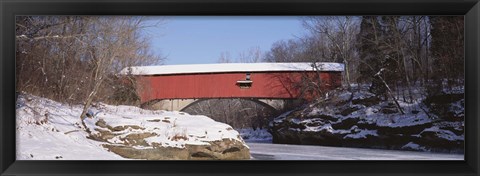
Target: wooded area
{"x": 403, "y": 50}
{"x": 75, "y": 59}
{"x": 394, "y": 54}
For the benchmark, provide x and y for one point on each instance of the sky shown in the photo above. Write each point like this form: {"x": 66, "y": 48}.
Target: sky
{"x": 202, "y": 39}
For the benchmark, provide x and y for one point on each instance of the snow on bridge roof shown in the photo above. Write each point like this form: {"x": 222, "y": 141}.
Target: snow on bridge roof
{"x": 231, "y": 67}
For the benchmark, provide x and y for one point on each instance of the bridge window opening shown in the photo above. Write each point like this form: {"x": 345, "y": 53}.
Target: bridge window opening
{"x": 245, "y": 84}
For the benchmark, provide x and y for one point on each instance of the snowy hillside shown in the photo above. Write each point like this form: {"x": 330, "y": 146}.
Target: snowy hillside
{"x": 48, "y": 130}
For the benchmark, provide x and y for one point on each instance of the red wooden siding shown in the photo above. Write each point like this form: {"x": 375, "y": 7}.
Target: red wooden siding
{"x": 274, "y": 85}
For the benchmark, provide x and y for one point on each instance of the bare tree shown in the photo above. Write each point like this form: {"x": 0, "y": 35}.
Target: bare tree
{"x": 112, "y": 50}
{"x": 74, "y": 59}
{"x": 340, "y": 31}
{"x": 225, "y": 58}
{"x": 48, "y": 51}
{"x": 252, "y": 55}
{"x": 286, "y": 51}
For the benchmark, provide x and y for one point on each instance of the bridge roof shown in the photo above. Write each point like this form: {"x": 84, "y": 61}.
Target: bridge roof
{"x": 231, "y": 67}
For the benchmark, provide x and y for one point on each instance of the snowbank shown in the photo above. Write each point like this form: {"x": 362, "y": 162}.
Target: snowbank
{"x": 47, "y": 130}
{"x": 50, "y": 130}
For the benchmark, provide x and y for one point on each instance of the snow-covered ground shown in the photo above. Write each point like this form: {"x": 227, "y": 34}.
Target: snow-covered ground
{"x": 48, "y": 130}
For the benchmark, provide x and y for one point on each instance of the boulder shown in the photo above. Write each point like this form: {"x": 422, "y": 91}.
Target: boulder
{"x": 174, "y": 137}
{"x": 217, "y": 150}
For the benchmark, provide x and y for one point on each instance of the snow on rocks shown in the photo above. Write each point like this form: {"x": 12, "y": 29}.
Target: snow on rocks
{"x": 413, "y": 146}
{"x": 368, "y": 121}
{"x": 119, "y": 132}
{"x": 442, "y": 133}
{"x": 258, "y": 135}
{"x": 361, "y": 134}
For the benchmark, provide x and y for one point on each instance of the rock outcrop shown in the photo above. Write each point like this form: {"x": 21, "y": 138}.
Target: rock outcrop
{"x": 368, "y": 122}
{"x": 225, "y": 149}
{"x": 168, "y": 136}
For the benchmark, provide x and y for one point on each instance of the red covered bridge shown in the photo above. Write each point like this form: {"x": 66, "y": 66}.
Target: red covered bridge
{"x": 175, "y": 87}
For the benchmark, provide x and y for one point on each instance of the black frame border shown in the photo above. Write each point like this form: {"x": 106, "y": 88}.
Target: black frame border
{"x": 10, "y": 8}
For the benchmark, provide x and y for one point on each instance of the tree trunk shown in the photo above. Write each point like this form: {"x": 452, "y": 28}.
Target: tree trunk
{"x": 389, "y": 91}
{"x": 88, "y": 102}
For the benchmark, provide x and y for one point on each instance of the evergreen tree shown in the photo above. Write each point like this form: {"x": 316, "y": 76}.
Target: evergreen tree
{"x": 371, "y": 57}
{"x": 447, "y": 47}
{"x": 391, "y": 47}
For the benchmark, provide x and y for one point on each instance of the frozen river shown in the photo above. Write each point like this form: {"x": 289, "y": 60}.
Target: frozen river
{"x": 268, "y": 151}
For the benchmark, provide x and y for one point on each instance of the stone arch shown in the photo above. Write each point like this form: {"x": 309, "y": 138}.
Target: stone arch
{"x": 258, "y": 101}
{"x": 167, "y": 104}
{"x": 276, "y": 105}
